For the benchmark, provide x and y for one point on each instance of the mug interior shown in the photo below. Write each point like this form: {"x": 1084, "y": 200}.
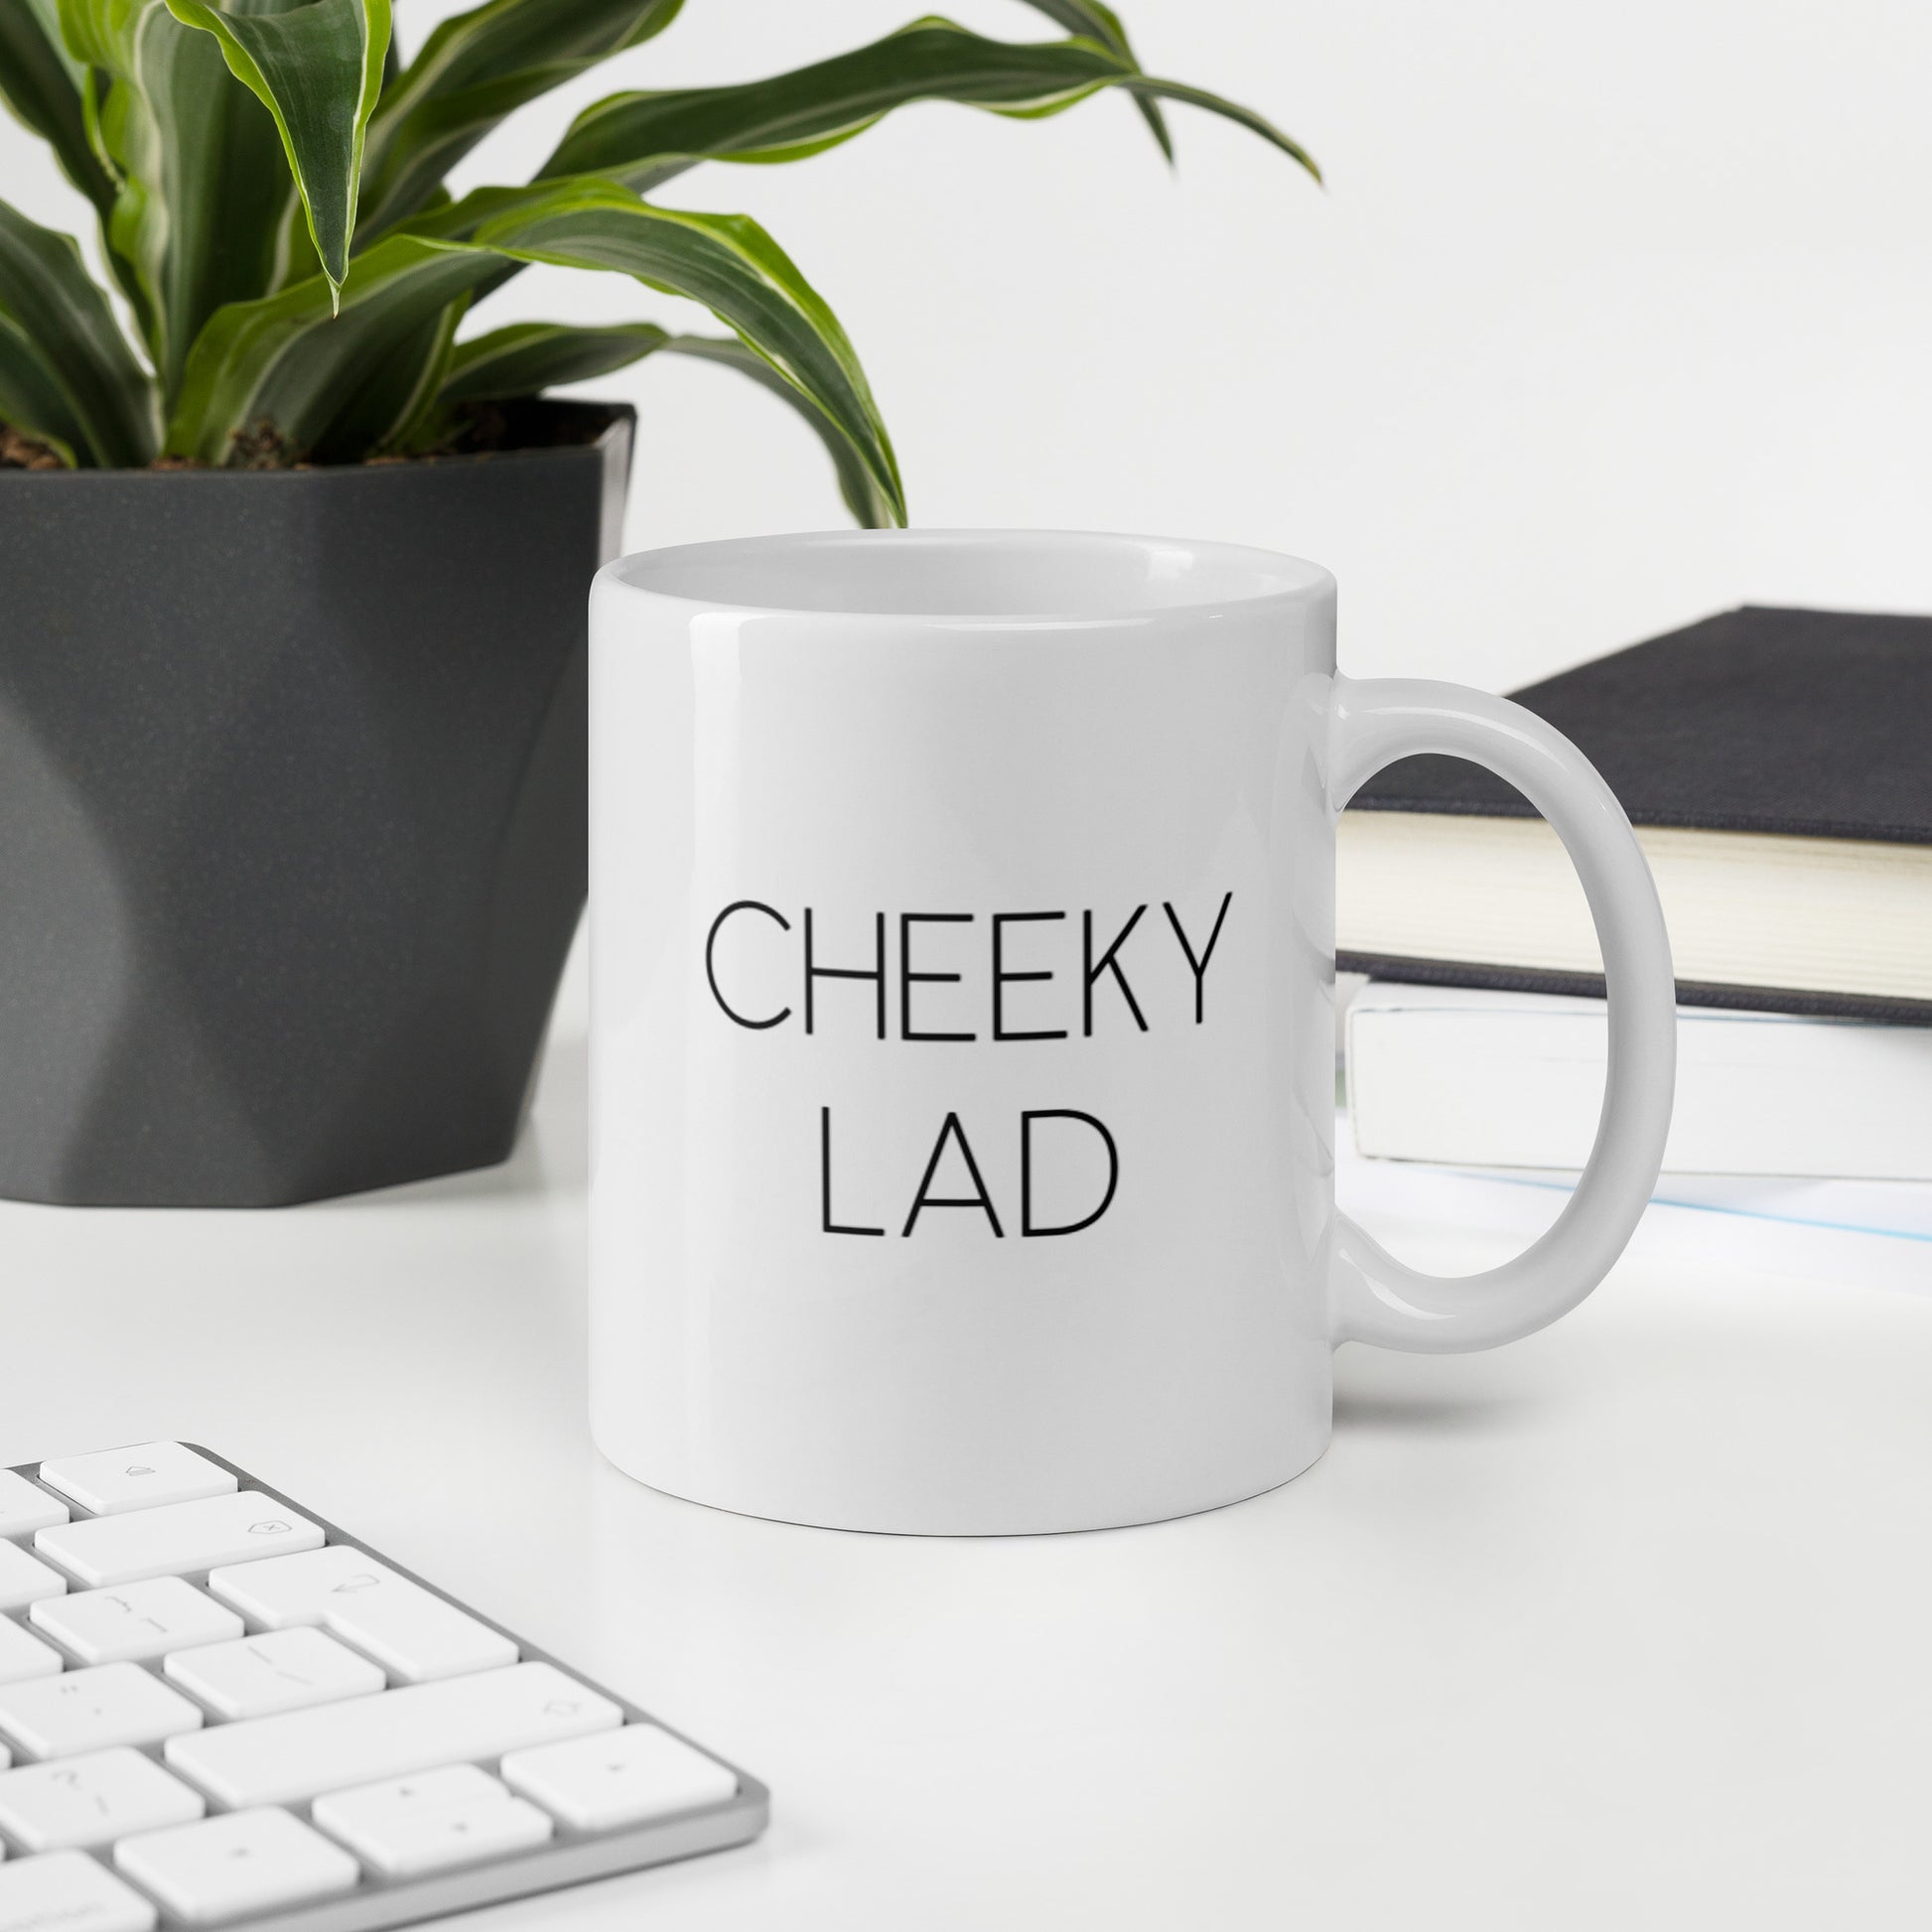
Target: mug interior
{"x": 983, "y": 575}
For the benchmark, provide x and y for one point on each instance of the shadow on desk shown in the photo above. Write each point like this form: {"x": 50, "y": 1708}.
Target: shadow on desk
{"x": 1494, "y": 1392}
{"x": 1387, "y": 1413}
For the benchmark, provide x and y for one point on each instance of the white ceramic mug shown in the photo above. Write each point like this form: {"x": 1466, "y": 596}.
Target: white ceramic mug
{"x": 963, "y": 1036}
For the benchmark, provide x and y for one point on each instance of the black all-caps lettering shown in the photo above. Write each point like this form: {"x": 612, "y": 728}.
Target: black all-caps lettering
{"x": 1198, "y": 966}
{"x": 825, "y": 1180}
{"x": 982, "y": 1199}
{"x": 906, "y": 976}
{"x": 1026, "y": 1227}
{"x": 1003, "y": 978}
{"x": 1094, "y": 967}
{"x": 1107, "y": 962}
{"x": 711, "y": 970}
{"x": 877, "y": 973}
{"x": 1031, "y": 1227}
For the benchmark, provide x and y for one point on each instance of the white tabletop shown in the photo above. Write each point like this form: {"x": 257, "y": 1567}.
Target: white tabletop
{"x": 1627, "y": 1626}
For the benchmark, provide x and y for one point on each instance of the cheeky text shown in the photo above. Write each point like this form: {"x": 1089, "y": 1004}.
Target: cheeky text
{"x": 955, "y": 978}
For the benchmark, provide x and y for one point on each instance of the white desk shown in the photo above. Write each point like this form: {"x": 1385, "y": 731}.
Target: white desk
{"x": 1629, "y": 1625}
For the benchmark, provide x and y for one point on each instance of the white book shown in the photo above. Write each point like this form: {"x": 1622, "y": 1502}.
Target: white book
{"x": 1480, "y": 1078}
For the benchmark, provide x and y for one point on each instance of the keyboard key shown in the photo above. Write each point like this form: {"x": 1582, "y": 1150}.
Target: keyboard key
{"x": 177, "y": 1539}
{"x": 406, "y": 1827}
{"x": 24, "y": 1579}
{"x": 282, "y": 1670}
{"x": 112, "y": 1481}
{"x": 621, "y": 1777}
{"x": 442, "y": 1841}
{"x": 226, "y": 1867}
{"x": 92, "y": 1710}
{"x": 411, "y": 1631}
{"x": 66, "y": 1891}
{"x": 455, "y": 1787}
{"x": 25, "y": 1508}
{"x": 22, "y": 1655}
{"x": 303, "y": 1754}
{"x": 78, "y": 1802}
{"x": 138, "y": 1622}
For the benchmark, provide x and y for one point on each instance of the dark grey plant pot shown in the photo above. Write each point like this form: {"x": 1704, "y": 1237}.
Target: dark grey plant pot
{"x": 292, "y": 814}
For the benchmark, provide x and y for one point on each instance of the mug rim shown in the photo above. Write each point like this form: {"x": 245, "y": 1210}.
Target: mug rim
{"x": 1152, "y": 579}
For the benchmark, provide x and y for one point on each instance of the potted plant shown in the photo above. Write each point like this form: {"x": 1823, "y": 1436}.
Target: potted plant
{"x": 291, "y": 660}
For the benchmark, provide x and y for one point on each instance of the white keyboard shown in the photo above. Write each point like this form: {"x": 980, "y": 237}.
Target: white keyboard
{"x": 215, "y": 1708}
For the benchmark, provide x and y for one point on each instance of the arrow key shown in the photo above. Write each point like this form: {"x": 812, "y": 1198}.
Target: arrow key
{"x": 619, "y": 1777}
{"x": 405, "y": 1826}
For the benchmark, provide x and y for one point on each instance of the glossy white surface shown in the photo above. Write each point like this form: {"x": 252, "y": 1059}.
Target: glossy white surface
{"x": 819, "y": 1285}
{"x": 792, "y": 1311}
{"x": 1381, "y": 1299}
{"x": 1623, "y": 1625}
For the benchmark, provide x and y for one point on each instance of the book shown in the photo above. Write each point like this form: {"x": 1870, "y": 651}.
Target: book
{"x": 1777, "y": 764}
{"x": 1858, "y": 1235}
{"x": 1480, "y": 1077}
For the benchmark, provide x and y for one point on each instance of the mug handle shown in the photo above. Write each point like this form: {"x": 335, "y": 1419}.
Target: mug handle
{"x": 1374, "y": 1296}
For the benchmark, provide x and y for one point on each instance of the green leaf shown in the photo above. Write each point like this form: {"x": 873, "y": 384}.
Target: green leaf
{"x": 32, "y": 399}
{"x": 56, "y": 308}
{"x": 529, "y": 356}
{"x": 203, "y": 215}
{"x": 283, "y": 362}
{"x": 40, "y": 84}
{"x": 725, "y": 262}
{"x": 1091, "y": 21}
{"x": 472, "y": 70}
{"x": 405, "y": 394}
{"x": 1148, "y": 86}
{"x": 294, "y": 367}
{"x": 317, "y": 67}
{"x": 643, "y": 139}
{"x": 863, "y": 498}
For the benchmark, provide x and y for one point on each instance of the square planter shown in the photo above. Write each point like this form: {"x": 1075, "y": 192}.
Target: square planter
{"x": 292, "y": 813}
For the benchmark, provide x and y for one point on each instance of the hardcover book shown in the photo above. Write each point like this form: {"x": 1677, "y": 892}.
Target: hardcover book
{"x": 1777, "y": 765}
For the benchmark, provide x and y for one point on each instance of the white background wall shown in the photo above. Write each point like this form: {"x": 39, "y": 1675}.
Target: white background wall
{"x": 1606, "y": 319}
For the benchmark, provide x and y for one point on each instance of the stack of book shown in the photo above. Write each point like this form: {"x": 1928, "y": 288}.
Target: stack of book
{"x": 1777, "y": 765}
